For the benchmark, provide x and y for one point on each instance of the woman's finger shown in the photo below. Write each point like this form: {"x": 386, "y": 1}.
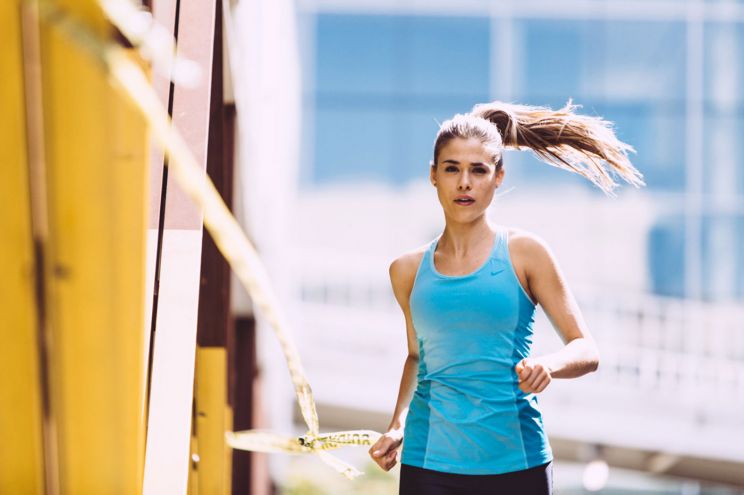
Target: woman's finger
{"x": 380, "y": 452}
{"x": 543, "y": 383}
{"x": 383, "y": 447}
{"x": 537, "y": 376}
{"x": 519, "y": 367}
{"x": 378, "y": 449}
{"x": 527, "y": 371}
{"x": 524, "y": 370}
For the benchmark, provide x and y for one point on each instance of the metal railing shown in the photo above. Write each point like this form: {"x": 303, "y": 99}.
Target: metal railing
{"x": 663, "y": 360}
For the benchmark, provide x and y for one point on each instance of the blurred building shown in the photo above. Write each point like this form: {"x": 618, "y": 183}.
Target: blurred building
{"x": 380, "y": 75}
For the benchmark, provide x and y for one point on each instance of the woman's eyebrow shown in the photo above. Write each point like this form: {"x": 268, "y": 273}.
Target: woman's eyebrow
{"x": 457, "y": 163}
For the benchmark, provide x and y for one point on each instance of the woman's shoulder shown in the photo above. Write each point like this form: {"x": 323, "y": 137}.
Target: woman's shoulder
{"x": 525, "y": 241}
{"x": 528, "y": 248}
{"x": 403, "y": 268}
{"x": 407, "y": 263}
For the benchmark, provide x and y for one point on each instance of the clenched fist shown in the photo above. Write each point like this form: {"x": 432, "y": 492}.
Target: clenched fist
{"x": 385, "y": 450}
{"x": 533, "y": 375}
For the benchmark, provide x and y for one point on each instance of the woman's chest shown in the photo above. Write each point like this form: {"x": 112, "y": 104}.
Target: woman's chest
{"x": 487, "y": 303}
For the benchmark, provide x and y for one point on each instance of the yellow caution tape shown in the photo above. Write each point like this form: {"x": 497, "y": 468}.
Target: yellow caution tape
{"x": 228, "y": 236}
{"x": 267, "y": 441}
{"x": 153, "y": 41}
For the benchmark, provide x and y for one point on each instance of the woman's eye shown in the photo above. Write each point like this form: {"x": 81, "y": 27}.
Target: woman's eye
{"x": 451, "y": 168}
{"x": 480, "y": 170}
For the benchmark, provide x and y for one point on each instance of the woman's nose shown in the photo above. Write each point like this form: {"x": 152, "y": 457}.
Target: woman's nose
{"x": 464, "y": 182}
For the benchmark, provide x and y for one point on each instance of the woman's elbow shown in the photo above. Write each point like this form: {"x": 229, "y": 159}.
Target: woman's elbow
{"x": 594, "y": 362}
{"x": 594, "y": 365}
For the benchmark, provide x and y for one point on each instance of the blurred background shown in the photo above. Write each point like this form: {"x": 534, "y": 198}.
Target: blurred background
{"x": 316, "y": 120}
{"x": 658, "y": 272}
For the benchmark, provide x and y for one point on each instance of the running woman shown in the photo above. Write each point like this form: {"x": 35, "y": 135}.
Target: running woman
{"x": 467, "y": 413}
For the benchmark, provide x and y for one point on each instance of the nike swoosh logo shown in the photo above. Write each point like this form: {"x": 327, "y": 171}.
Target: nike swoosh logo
{"x": 497, "y": 268}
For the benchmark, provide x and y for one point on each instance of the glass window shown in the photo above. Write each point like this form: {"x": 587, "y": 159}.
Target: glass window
{"x": 352, "y": 144}
{"x": 356, "y": 54}
{"x": 723, "y": 162}
{"x": 447, "y": 56}
{"x": 383, "y": 83}
{"x": 666, "y": 256}
{"x": 723, "y": 256}
{"x": 555, "y": 61}
{"x": 631, "y": 73}
{"x": 724, "y": 109}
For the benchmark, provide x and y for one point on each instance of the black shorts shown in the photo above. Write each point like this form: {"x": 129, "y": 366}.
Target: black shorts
{"x": 419, "y": 481}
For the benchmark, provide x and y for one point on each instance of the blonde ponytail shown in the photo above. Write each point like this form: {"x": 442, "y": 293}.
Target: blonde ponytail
{"x": 578, "y": 143}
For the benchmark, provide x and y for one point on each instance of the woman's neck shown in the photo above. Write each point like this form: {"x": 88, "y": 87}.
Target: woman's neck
{"x": 459, "y": 239}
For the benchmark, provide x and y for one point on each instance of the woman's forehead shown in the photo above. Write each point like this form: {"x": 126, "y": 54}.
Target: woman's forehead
{"x": 470, "y": 150}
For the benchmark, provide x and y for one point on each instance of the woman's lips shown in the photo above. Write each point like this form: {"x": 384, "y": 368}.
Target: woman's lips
{"x": 465, "y": 201}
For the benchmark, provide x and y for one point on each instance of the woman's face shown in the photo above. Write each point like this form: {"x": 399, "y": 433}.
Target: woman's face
{"x": 465, "y": 178}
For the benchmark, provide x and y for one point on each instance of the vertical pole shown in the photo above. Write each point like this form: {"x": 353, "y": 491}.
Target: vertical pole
{"x": 213, "y": 411}
{"x": 175, "y": 320}
{"x": 694, "y": 151}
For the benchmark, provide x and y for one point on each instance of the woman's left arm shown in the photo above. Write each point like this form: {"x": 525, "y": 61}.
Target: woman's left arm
{"x": 547, "y": 285}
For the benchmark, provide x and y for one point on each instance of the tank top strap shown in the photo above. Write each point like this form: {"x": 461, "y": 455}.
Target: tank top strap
{"x": 432, "y": 247}
{"x": 428, "y": 256}
{"x": 500, "y": 248}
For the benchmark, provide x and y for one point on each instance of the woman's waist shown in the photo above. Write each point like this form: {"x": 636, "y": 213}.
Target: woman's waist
{"x": 498, "y": 420}
{"x": 447, "y": 400}
{"x": 468, "y": 377}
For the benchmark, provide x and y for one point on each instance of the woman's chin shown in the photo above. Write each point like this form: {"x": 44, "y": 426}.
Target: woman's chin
{"x": 465, "y": 216}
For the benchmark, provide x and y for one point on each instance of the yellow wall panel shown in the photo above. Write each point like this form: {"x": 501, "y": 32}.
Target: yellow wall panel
{"x": 212, "y": 416}
{"x": 21, "y": 464}
{"x": 95, "y": 147}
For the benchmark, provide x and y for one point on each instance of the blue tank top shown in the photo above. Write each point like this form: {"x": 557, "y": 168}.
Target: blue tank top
{"x": 468, "y": 414}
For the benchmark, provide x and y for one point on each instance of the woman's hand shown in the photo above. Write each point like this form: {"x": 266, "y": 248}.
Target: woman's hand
{"x": 385, "y": 450}
{"x": 533, "y": 375}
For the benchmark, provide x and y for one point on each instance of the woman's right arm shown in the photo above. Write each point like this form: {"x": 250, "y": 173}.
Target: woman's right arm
{"x": 402, "y": 274}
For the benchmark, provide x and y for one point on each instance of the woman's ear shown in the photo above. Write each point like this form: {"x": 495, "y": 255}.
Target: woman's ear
{"x": 432, "y": 173}
{"x": 499, "y": 177}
